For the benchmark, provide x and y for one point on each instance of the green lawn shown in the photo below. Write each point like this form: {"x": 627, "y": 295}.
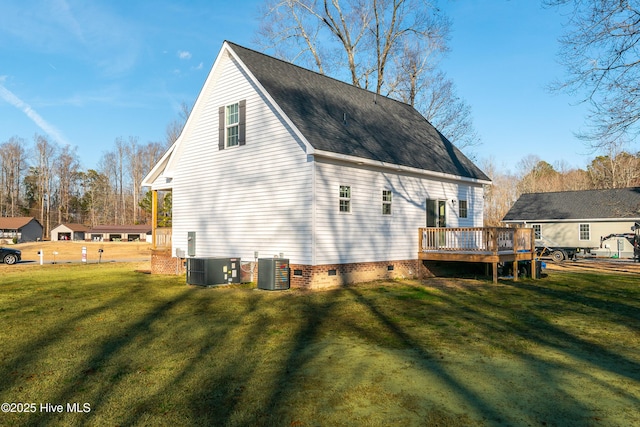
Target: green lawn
{"x": 150, "y": 350}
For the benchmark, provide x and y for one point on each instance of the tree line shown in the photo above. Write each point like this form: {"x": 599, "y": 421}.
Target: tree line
{"x": 44, "y": 180}
{"x": 533, "y": 175}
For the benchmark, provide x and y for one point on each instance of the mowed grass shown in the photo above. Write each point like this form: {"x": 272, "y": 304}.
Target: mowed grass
{"x": 150, "y": 350}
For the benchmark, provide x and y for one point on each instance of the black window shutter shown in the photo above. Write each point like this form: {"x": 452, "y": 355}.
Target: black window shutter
{"x": 242, "y": 123}
{"x": 221, "y": 128}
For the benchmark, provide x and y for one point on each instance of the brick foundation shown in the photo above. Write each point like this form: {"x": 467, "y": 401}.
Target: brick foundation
{"x": 332, "y": 275}
{"x": 308, "y": 276}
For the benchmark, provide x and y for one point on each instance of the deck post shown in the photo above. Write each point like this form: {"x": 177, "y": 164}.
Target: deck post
{"x": 154, "y": 218}
{"x": 495, "y": 272}
{"x": 515, "y": 270}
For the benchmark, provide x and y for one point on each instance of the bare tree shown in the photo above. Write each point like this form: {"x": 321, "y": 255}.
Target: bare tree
{"x": 13, "y": 162}
{"x": 616, "y": 170}
{"x": 391, "y": 47}
{"x": 136, "y": 171}
{"x": 500, "y": 196}
{"x": 601, "y": 54}
{"x": 66, "y": 169}
{"x": 174, "y": 129}
{"x": 45, "y": 152}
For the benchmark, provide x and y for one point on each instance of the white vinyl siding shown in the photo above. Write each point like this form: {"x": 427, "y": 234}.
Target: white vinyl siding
{"x": 235, "y": 201}
{"x": 366, "y": 235}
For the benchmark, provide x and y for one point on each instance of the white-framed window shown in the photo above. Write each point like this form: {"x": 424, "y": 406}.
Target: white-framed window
{"x": 232, "y": 125}
{"x": 386, "y": 202}
{"x": 462, "y": 209}
{"x": 537, "y": 231}
{"x": 585, "y": 232}
{"x": 345, "y": 199}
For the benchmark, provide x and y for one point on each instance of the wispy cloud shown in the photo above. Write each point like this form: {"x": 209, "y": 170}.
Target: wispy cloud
{"x": 199, "y": 67}
{"x": 92, "y": 32}
{"x": 48, "y": 128}
{"x": 184, "y": 54}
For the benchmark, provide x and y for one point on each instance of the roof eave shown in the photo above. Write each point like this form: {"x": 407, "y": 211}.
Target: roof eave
{"x": 531, "y": 221}
{"x": 397, "y": 168}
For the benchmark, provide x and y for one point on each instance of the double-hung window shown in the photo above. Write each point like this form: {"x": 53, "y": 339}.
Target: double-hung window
{"x": 232, "y": 125}
{"x": 462, "y": 209}
{"x": 386, "y": 202}
{"x": 345, "y": 199}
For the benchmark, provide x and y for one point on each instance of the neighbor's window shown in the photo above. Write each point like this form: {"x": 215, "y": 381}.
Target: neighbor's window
{"x": 585, "y": 233}
{"x": 386, "y": 202}
{"x": 462, "y": 209}
{"x": 345, "y": 198}
{"x": 537, "y": 231}
{"x": 232, "y": 121}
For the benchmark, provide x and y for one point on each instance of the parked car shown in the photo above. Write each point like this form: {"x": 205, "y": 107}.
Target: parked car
{"x": 10, "y": 256}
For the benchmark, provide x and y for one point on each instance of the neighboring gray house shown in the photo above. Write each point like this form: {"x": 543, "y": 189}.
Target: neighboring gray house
{"x": 23, "y": 229}
{"x": 69, "y": 232}
{"x": 120, "y": 233}
{"x": 577, "y": 219}
{"x": 276, "y": 159}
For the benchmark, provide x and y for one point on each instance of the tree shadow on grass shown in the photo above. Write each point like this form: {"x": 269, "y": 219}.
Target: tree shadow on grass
{"x": 224, "y": 361}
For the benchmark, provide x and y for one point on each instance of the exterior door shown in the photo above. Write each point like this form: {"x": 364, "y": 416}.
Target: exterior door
{"x": 436, "y": 213}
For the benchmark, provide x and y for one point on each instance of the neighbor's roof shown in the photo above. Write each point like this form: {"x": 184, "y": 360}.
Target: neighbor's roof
{"x": 73, "y": 227}
{"x": 121, "y": 229}
{"x": 15, "y": 223}
{"x": 621, "y": 203}
{"x": 340, "y": 118}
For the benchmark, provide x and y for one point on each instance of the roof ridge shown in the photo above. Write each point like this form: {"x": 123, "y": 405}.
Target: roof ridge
{"x": 584, "y": 191}
{"x": 351, "y": 85}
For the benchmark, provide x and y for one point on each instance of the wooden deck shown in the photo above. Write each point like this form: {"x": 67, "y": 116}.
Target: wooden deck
{"x": 490, "y": 245}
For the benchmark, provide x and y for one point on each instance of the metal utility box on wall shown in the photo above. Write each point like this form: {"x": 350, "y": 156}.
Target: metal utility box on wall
{"x": 213, "y": 271}
{"x": 273, "y": 273}
{"x": 191, "y": 243}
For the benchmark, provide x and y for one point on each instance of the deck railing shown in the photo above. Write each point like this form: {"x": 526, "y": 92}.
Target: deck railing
{"x": 162, "y": 238}
{"x": 476, "y": 239}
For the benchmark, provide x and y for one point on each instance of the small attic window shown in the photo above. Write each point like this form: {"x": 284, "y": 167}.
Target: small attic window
{"x": 232, "y": 125}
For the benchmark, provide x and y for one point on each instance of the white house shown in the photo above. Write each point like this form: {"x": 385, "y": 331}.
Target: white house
{"x": 276, "y": 159}
{"x": 69, "y": 232}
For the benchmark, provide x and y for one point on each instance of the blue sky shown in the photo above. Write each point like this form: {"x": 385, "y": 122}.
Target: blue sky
{"x": 86, "y": 73}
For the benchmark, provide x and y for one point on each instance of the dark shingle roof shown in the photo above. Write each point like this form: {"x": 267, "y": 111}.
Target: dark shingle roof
{"x": 589, "y": 204}
{"x": 341, "y": 118}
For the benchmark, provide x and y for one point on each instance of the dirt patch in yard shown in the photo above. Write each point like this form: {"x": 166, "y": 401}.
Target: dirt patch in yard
{"x": 69, "y": 251}
{"x": 603, "y": 265}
